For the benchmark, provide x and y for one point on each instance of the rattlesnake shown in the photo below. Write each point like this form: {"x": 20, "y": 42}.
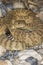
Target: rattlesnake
{"x": 26, "y": 30}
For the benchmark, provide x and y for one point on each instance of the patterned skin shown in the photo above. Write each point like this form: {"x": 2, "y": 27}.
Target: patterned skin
{"x": 25, "y": 30}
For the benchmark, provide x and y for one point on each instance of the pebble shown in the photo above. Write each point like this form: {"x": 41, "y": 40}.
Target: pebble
{"x": 6, "y": 62}
{"x": 9, "y": 6}
{"x": 18, "y": 5}
{"x": 40, "y": 51}
{"x": 32, "y": 61}
{"x": 10, "y": 55}
{"x": 41, "y": 63}
{"x": 2, "y": 10}
{"x": 2, "y": 50}
{"x": 28, "y": 53}
{"x": 40, "y": 15}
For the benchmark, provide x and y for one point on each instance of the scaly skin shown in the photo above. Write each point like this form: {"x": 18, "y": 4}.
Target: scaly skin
{"x": 26, "y": 29}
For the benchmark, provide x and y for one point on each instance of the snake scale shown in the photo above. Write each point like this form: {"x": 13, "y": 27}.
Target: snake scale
{"x": 20, "y": 29}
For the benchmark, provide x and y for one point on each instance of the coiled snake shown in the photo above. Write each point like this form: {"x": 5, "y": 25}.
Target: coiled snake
{"x": 24, "y": 30}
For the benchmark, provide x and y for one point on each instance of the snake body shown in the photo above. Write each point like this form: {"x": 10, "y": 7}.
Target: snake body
{"x": 26, "y": 30}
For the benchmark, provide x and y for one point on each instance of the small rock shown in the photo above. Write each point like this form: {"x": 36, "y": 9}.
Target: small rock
{"x": 40, "y": 51}
{"x": 3, "y": 62}
{"x": 18, "y": 5}
{"x": 40, "y": 15}
{"x": 1, "y": 13}
{"x": 28, "y": 53}
{"x": 42, "y": 62}
{"x": 6, "y": 62}
{"x": 9, "y": 6}
{"x": 2, "y": 9}
{"x": 32, "y": 61}
{"x": 2, "y": 51}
